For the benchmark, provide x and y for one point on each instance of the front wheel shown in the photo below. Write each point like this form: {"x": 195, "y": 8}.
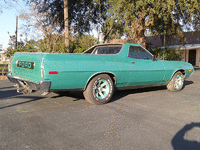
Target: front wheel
{"x": 99, "y": 90}
{"x": 176, "y": 83}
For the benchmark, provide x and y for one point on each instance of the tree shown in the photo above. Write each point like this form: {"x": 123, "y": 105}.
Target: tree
{"x": 167, "y": 53}
{"x": 78, "y": 44}
{"x": 66, "y": 25}
{"x": 83, "y": 15}
{"x": 28, "y": 46}
{"x": 53, "y": 11}
{"x": 160, "y": 17}
{"x": 112, "y": 29}
{"x": 47, "y": 16}
{"x": 43, "y": 30}
{"x": 83, "y": 42}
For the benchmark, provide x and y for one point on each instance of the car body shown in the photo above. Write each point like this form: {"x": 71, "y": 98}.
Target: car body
{"x": 123, "y": 65}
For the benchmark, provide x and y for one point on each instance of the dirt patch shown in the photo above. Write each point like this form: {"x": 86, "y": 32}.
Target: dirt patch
{"x": 3, "y": 77}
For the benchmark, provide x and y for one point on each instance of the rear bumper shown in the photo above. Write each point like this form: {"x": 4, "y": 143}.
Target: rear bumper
{"x": 43, "y": 85}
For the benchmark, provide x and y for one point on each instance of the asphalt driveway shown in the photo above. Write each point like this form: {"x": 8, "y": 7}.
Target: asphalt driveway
{"x": 143, "y": 119}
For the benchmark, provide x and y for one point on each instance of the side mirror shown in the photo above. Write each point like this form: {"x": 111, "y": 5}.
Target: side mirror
{"x": 154, "y": 58}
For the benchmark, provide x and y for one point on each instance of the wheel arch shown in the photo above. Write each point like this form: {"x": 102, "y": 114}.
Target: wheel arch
{"x": 112, "y": 75}
{"x": 183, "y": 71}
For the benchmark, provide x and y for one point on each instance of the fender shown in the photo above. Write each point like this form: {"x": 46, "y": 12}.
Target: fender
{"x": 112, "y": 75}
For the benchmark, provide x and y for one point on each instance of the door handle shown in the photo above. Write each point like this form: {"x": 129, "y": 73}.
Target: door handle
{"x": 132, "y": 62}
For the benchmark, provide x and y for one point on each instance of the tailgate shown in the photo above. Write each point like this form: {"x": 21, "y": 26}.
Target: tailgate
{"x": 27, "y": 66}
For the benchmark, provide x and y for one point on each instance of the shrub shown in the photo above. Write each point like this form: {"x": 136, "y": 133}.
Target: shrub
{"x": 167, "y": 53}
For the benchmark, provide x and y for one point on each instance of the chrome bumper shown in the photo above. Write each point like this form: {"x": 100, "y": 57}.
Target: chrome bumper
{"x": 43, "y": 85}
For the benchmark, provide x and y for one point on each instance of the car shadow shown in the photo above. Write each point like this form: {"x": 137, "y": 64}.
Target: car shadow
{"x": 8, "y": 94}
{"x": 186, "y": 83}
{"x": 6, "y": 87}
{"x": 116, "y": 96}
{"x": 120, "y": 94}
{"x": 24, "y": 97}
{"x": 179, "y": 143}
{"x": 197, "y": 68}
{"x": 76, "y": 95}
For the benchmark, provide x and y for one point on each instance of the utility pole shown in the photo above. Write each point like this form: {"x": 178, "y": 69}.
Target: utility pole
{"x": 16, "y": 30}
{"x": 66, "y": 19}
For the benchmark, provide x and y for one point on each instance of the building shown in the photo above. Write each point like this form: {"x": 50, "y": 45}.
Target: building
{"x": 189, "y": 45}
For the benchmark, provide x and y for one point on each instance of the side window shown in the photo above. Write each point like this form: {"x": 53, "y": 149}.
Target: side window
{"x": 138, "y": 52}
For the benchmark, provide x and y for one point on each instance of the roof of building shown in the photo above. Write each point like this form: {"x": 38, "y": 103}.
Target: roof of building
{"x": 185, "y": 47}
{"x": 189, "y": 38}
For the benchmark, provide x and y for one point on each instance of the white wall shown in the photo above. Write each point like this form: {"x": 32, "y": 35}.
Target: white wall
{"x": 198, "y": 58}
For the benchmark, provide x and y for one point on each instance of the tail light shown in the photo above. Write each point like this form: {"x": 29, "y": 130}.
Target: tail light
{"x": 53, "y": 72}
{"x": 9, "y": 64}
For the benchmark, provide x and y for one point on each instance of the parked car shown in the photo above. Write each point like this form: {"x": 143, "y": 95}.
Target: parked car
{"x": 98, "y": 71}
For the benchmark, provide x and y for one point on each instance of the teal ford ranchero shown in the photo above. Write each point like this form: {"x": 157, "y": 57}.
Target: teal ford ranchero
{"x": 97, "y": 72}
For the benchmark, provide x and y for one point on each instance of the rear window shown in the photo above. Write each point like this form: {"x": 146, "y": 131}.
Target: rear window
{"x": 104, "y": 49}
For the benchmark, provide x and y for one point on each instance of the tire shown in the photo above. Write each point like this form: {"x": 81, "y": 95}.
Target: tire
{"x": 176, "y": 83}
{"x": 99, "y": 90}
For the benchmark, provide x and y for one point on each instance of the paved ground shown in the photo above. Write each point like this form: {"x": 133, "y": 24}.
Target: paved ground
{"x": 145, "y": 119}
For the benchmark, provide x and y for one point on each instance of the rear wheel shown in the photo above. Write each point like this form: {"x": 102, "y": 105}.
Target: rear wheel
{"x": 176, "y": 83}
{"x": 99, "y": 90}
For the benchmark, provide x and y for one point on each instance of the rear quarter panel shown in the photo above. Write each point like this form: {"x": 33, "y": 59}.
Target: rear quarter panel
{"x": 74, "y": 70}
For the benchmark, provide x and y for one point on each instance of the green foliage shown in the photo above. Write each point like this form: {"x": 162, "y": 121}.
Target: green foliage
{"x": 83, "y": 42}
{"x": 159, "y": 17}
{"x": 29, "y": 47}
{"x": 167, "y": 53}
{"x": 78, "y": 44}
{"x": 82, "y": 13}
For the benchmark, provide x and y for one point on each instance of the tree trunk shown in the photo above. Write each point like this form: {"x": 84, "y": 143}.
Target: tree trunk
{"x": 138, "y": 29}
{"x": 66, "y": 25}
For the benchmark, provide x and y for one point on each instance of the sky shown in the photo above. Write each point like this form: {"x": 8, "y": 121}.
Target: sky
{"x": 9, "y": 9}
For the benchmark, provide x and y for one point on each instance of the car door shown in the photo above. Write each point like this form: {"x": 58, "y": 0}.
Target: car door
{"x": 144, "y": 70}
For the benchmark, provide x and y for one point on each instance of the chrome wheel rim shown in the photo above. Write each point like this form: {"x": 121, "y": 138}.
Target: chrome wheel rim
{"x": 101, "y": 89}
{"x": 178, "y": 82}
